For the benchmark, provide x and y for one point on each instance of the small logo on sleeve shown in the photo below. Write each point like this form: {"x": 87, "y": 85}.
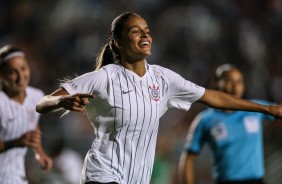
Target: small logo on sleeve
{"x": 73, "y": 85}
{"x": 154, "y": 92}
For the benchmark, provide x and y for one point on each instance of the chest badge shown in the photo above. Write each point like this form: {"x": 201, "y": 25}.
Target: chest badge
{"x": 219, "y": 132}
{"x": 154, "y": 92}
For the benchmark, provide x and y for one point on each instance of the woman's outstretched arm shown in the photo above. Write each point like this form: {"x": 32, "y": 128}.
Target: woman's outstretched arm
{"x": 220, "y": 100}
{"x": 62, "y": 99}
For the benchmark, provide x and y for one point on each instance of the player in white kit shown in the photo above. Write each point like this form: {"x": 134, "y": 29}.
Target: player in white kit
{"x": 18, "y": 118}
{"x": 125, "y": 98}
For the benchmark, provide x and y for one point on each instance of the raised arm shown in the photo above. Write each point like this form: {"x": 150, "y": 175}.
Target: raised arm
{"x": 220, "y": 100}
{"x": 62, "y": 99}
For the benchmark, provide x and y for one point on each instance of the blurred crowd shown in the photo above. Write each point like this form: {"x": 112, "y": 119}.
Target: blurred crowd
{"x": 192, "y": 37}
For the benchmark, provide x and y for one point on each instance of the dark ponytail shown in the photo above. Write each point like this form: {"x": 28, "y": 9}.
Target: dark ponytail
{"x": 109, "y": 53}
{"x": 105, "y": 57}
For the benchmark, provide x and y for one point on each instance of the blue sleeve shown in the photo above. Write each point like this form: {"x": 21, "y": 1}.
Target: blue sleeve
{"x": 196, "y": 136}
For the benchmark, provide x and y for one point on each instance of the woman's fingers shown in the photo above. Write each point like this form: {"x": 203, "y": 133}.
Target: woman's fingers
{"x": 31, "y": 139}
{"x": 79, "y": 109}
{"x": 85, "y": 95}
{"x": 83, "y": 98}
{"x": 76, "y": 102}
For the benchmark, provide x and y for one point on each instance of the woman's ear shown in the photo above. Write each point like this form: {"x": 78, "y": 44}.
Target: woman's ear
{"x": 117, "y": 44}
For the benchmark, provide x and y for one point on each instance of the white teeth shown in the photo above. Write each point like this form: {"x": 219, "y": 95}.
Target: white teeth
{"x": 144, "y": 43}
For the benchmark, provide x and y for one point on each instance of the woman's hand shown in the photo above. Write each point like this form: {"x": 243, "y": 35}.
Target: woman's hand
{"x": 30, "y": 139}
{"x": 62, "y": 99}
{"x": 76, "y": 102}
{"x": 45, "y": 162}
{"x": 276, "y": 111}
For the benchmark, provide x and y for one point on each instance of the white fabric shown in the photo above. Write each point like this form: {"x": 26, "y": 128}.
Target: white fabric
{"x": 69, "y": 163}
{"x": 125, "y": 114}
{"x": 15, "y": 120}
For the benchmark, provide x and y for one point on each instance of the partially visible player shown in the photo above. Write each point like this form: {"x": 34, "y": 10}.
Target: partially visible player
{"x": 234, "y": 137}
{"x": 131, "y": 95}
{"x": 18, "y": 119}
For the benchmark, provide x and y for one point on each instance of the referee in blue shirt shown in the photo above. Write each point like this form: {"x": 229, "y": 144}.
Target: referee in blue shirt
{"x": 234, "y": 137}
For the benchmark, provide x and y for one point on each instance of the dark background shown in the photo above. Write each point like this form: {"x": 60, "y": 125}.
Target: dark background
{"x": 62, "y": 38}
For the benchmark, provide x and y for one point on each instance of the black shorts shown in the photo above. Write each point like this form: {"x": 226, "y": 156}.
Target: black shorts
{"x": 252, "y": 181}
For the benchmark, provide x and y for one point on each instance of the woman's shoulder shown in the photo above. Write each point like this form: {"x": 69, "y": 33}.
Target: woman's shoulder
{"x": 163, "y": 71}
{"x": 2, "y": 94}
{"x": 111, "y": 68}
{"x": 34, "y": 92}
{"x": 159, "y": 68}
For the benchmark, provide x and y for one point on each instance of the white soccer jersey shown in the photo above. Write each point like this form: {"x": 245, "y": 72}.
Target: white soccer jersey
{"x": 125, "y": 114}
{"x": 15, "y": 120}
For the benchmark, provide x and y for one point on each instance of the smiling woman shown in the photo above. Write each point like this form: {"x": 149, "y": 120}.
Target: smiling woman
{"x": 131, "y": 39}
{"x": 136, "y": 42}
{"x": 15, "y": 74}
{"x": 18, "y": 119}
{"x": 128, "y": 98}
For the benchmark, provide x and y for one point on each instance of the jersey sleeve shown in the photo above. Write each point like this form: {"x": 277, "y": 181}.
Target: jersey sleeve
{"x": 90, "y": 83}
{"x": 196, "y": 136}
{"x": 182, "y": 93}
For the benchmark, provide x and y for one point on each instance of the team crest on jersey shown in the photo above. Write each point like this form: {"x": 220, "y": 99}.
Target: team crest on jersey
{"x": 154, "y": 92}
{"x": 219, "y": 132}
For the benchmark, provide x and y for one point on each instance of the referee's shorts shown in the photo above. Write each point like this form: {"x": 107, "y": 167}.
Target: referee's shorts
{"x": 254, "y": 181}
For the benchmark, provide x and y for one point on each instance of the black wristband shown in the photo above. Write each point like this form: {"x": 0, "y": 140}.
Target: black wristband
{"x": 9, "y": 145}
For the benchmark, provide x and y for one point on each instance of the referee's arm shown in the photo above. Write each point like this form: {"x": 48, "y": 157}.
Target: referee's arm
{"x": 186, "y": 167}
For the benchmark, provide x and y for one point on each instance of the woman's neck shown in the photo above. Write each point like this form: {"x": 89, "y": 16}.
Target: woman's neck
{"x": 137, "y": 67}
